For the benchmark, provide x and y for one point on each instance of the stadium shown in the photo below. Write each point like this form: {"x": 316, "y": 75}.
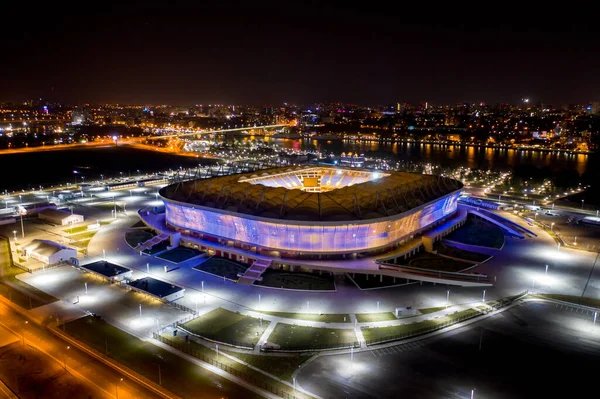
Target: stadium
{"x": 310, "y": 212}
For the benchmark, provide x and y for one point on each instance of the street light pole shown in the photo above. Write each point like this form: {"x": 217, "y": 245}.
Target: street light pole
{"x": 22, "y": 228}
{"x": 117, "y": 388}
{"x": 65, "y": 357}
{"x": 590, "y": 276}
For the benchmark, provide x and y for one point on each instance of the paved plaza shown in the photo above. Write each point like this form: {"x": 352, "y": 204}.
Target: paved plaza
{"x": 519, "y": 266}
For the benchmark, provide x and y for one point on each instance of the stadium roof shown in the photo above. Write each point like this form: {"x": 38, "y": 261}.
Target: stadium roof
{"x": 264, "y": 194}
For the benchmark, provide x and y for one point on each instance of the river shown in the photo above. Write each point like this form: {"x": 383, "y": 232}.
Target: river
{"x": 32, "y": 169}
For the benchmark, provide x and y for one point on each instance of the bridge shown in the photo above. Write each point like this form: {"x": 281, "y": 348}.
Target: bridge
{"x": 219, "y": 131}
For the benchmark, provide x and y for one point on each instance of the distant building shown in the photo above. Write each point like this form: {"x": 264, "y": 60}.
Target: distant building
{"x": 59, "y": 217}
{"x": 80, "y": 117}
{"x": 352, "y": 159}
{"x": 32, "y": 209}
{"x": 48, "y": 252}
{"x": 595, "y": 107}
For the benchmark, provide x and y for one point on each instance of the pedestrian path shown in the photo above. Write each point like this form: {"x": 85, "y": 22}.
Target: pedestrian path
{"x": 359, "y": 335}
{"x": 264, "y": 337}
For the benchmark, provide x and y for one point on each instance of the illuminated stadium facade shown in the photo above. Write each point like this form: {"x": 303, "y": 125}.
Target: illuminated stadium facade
{"x": 317, "y": 212}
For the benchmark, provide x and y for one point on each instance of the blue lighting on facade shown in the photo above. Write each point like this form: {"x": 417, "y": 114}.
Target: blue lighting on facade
{"x": 313, "y": 236}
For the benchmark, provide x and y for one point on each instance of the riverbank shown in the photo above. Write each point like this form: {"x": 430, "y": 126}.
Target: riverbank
{"x": 56, "y": 147}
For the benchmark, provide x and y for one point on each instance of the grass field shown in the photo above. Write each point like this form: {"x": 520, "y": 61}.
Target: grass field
{"x": 292, "y": 337}
{"x": 161, "y": 246}
{"x": 384, "y": 333}
{"x": 83, "y": 236}
{"x": 429, "y": 261}
{"x": 178, "y": 375}
{"x": 372, "y": 281}
{"x": 14, "y": 289}
{"x": 136, "y": 237}
{"x": 369, "y": 317}
{"x": 77, "y": 229}
{"x": 431, "y": 310}
{"x": 477, "y": 231}
{"x": 280, "y": 366}
{"x": 228, "y": 327}
{"x": 296, "y": 281}
{"x": 82, "y": 244}
{"x": 137, "y": 224}
{"x": 585, "y": 301}
{"x": 327, "y": 318}
{"x": 448, "y": 250}
{"x": 222, "y": 267}
{"x": 179, "y": 254}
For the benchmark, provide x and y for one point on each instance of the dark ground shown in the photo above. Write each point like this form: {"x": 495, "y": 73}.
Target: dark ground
{"x": 531, "y": 351}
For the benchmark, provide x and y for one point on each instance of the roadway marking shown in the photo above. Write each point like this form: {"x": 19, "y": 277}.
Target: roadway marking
{"x": 397, "y": 349}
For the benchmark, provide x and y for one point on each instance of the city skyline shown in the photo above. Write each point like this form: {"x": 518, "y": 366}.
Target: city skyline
{"x": 254, "y": 54}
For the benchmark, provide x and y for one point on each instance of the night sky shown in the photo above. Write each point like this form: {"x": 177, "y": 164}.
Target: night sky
{"x": 274, "y": 52}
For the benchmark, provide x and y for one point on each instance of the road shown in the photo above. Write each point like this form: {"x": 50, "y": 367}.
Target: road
{"x": 83, "y": 366}
{"x": 535, "y": 350}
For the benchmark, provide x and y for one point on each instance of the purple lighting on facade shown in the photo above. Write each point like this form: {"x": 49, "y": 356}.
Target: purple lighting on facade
{"x": 310, "y": 237}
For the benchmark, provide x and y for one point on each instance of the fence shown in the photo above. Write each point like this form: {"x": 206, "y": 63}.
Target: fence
{"x": 259, "y": 382}
{"x": 312, "y": 348}
{"x": 125, "y": 284}
{"x": 216, "y": 338}
{"x": 500, "y": 304}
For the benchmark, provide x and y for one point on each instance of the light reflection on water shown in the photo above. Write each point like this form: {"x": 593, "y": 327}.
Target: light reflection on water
{"x": 447, "y": 155}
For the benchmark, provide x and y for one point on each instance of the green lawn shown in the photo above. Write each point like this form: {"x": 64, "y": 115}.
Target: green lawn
{"x": 369, "y": 317}
{"x": 325, "y": 317}
{"x": 179, "y": 254}
{"x": 228, "y": 327}
{"x": 23, "y": 294}
{"x": 83, "y": 236}
{"x": 81, "y": 243}
{"x": 179, "y": 376}
{"x": 431, "y": 310}
{"x": 136, "y": 237}
{"x": 137, "y": 224}
{"x": 379, "y": 334}
{"x": 448, "y": 250}
{"x": 283, "y": 367}
{"x": 292, "y": 337}
{"x": 280, "y": 366}
{"x": 105, "y": 222}
{"x": 429, "y": 261}
{"x": 296, "y": 281}
{"x": 477, "y": 231}
{"x": 365, "y": 281}
{"x": 161, "y": 246}
{"x": 591, "y": 302}
{"x": 222, "y": 267}
{"x": 77, "y": 229}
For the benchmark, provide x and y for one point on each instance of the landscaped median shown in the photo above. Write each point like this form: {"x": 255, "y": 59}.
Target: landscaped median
{"x": 591, "y": 302}
{"x": 392, "y": 333}
{"x": 294, "y": 338}
{"x": 322, "y": 317}
{"x": 227, "y": 327}
{"x": 222, "y": 267}
{"x": 281, "y": 367}
{"x": 371, "y": 317}
{"x": 158, "y": 365}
